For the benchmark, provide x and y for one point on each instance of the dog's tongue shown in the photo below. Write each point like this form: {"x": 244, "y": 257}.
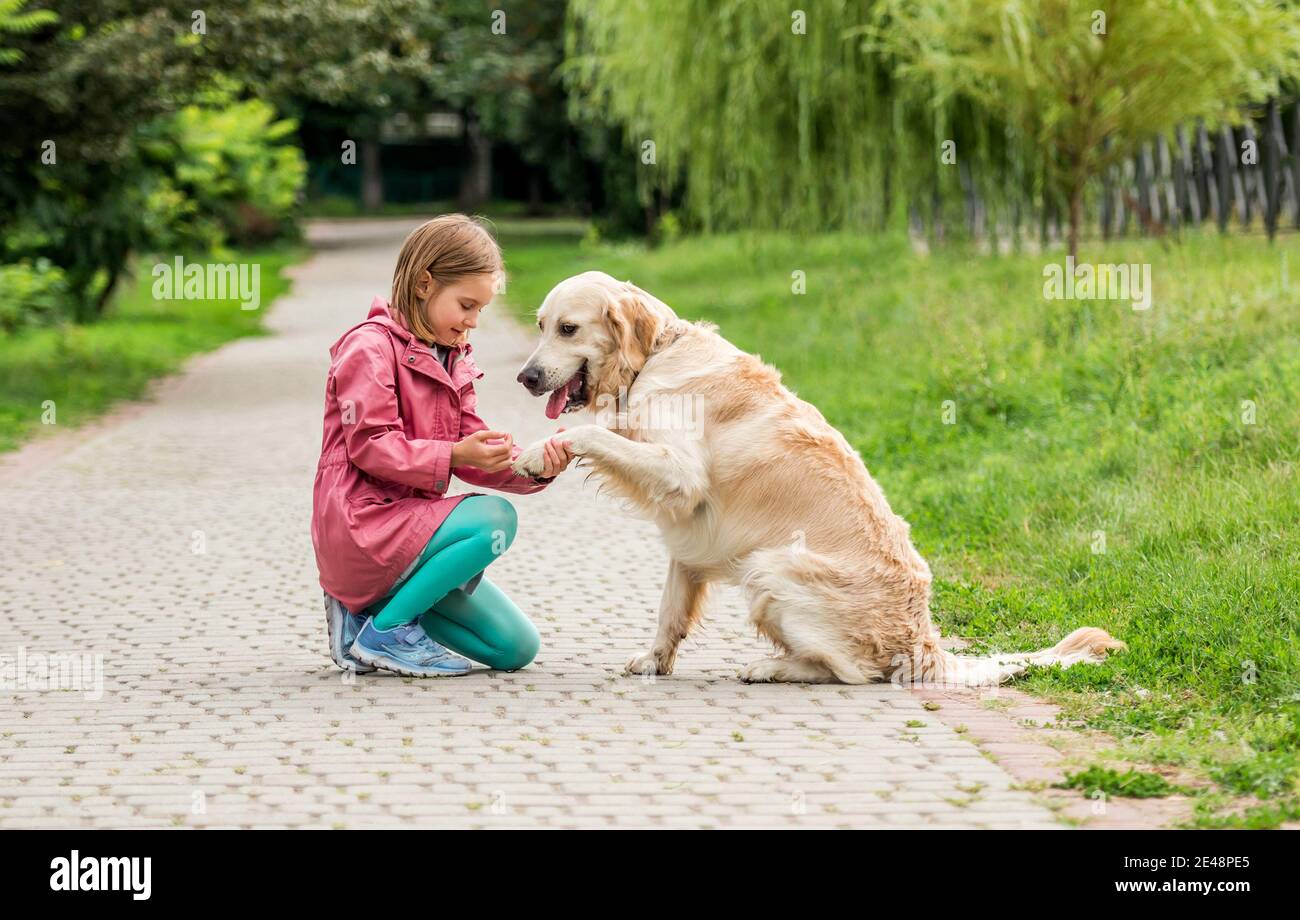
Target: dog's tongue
{"x": 560, "y": 396}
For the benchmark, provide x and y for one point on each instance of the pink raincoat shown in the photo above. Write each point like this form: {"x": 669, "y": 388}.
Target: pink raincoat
{"x": 392, "y": 413}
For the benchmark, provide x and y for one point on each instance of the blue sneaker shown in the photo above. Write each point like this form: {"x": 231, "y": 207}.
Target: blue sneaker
{"x": 408, "y": 650}
{"x": 343, "y": 626}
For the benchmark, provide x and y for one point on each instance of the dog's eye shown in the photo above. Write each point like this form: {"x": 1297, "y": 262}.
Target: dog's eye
{"x": 568, "y": 328}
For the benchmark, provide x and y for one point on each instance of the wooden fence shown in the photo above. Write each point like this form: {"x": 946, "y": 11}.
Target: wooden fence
{"x": 1245, "y": 175}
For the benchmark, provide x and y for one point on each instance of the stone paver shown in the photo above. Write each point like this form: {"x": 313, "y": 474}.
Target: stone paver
{"x": 175, "y": 544}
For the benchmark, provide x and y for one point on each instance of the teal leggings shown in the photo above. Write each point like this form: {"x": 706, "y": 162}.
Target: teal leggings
{"x": 486, "y": 625}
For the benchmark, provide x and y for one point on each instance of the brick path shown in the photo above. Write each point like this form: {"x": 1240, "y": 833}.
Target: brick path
{"x": 174, "y": 542}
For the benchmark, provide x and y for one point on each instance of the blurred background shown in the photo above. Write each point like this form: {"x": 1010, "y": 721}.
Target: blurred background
{"x": 132, "y": 127}
{"x": 865, "y": 192}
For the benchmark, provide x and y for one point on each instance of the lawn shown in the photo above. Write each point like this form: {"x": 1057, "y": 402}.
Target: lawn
{"x": 1062, "y": 463}
{"x": 84, "y": 370}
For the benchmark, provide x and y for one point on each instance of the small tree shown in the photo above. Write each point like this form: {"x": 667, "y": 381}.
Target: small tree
{"x": 1088, "y": 81}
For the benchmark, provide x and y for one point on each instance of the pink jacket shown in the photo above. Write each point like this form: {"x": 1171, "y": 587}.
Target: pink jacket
{"x": 391, "y": 415}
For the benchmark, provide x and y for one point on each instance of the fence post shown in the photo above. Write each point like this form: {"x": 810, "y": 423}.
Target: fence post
{"x": 1125, "y": 212}
{"x": 1204, "y": 162}
{"x": 1295, "y": 164}
{"x": 1272, "y": 185}
{"x": 1142, "y": 164}
{"x": 1107, "y": 191}
{"x": 1106, "y": 212}
{"x": 1252, "y": 177}
{"x": 1165, "y": 184}
{"x": 1226, "y": 167}
{"x": 1184, "y": 179}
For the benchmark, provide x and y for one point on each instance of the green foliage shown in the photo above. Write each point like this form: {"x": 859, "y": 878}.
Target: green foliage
{"x": 767, "y": 127}
{"x": 78, "y": 186}
{"x": 234, "y": 165}
{"x": 1083, "y": 83}
{"x": 420, "y": 57}
{"x": 1132, "y": 784}
{"x": 1264, "y": 776}
{"x": 196, "y": 180}
{"x": 30, "y": 294}
{"x": 14, "y": 21}
{"x": 73, "y": 188}
{"x": 836, "y": 119}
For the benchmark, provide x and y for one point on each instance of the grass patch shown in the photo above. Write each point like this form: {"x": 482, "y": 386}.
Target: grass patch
{"x": 1134, "y": 470}
{"x": 1132, "y": 784}
{"x": 84, "y": 370}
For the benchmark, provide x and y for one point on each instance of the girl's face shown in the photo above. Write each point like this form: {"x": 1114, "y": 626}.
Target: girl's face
{"x": 453, "y": 310}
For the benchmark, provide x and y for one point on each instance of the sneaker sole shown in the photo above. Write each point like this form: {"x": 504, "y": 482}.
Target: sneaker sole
{"x": 335, "y": 651}
{"x": 387, "y": 664}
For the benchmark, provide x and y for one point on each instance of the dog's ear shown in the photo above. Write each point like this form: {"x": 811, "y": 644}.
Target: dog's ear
{"x": 634, "y": 325}
{"x": 638, "y": 326}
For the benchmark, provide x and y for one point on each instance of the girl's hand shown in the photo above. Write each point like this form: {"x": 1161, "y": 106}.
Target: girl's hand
{"x": 488, "y": 451}
{"x": 559, "y": 454}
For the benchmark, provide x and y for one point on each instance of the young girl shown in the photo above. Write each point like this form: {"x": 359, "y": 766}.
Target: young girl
{"x": 401, "y": 562}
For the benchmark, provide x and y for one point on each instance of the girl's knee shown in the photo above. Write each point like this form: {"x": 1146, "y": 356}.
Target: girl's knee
{"x": 497, "y": 518}
{"x": 519, "y": 650}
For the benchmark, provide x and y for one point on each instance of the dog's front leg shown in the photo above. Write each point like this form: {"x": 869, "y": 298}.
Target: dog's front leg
{"x": 679, "y": 609}
{"x": 671, "y": 476}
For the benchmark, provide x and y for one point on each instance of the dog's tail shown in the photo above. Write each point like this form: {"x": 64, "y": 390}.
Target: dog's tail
{"x": 939, "y": 666}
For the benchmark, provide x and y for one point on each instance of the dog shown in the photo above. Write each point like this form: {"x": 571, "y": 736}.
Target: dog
{"x": 749, "y": 485}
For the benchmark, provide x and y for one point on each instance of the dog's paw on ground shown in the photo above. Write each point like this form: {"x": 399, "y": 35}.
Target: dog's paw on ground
{"x": 645, "y": 664}
{"x": 762, "y": 671}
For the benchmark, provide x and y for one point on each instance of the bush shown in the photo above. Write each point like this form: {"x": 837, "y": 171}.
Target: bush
{"x": 31, "y": 294}
{"x": 194, "y": 181}
{"x": 231, "y": 162}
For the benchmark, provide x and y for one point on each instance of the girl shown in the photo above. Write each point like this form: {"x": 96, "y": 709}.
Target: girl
{"x": 400, "y": 561}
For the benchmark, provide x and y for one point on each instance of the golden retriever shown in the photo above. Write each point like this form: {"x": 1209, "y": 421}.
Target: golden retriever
{"x": 749, "y": 485}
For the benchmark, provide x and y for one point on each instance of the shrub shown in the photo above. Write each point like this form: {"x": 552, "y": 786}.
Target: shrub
{"x": 31, "y": 294}
{"x": 231, "y": 162}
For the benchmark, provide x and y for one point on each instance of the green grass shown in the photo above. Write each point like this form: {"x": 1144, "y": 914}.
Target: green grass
{"x": 1132, "y": 784}
{"x": 1100, "y": 470}
{"x": 84, "y": 370}
{"x": 343, "y": 206}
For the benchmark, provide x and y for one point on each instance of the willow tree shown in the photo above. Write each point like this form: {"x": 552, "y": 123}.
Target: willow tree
{"x": 1089, "y": 81}
{"x": 771, "y": 115}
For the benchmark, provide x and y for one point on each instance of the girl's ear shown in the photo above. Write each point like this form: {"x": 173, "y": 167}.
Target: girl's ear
{"x": 424, "y": 285}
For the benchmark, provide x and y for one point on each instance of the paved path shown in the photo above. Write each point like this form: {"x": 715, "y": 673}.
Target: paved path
{"x": 175, "y": 544}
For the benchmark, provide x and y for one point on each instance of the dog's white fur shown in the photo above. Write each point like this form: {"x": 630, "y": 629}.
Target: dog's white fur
{"x": 757, "y": 490}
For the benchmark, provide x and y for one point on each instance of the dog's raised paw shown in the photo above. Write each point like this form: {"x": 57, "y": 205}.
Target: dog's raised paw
{"x": 532, "y": 461}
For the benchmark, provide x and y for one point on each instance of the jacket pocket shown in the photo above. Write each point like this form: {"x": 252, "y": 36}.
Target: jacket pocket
{"x": 371, "y": 494}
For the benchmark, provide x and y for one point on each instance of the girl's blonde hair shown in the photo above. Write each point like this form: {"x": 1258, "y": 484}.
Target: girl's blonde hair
{"x": 449, "y": 248}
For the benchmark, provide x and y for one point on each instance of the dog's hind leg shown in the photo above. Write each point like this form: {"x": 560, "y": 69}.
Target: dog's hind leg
{"x": 803, "y": 613}
{"x": 787, "y": 670}
{"x": 680, "y": 607}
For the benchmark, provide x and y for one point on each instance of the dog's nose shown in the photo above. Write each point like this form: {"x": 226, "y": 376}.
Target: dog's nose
{"x": 529, "y": 377}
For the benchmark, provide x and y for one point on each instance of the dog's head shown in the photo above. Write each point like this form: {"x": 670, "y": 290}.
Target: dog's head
{"x": 597, "y": 333}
